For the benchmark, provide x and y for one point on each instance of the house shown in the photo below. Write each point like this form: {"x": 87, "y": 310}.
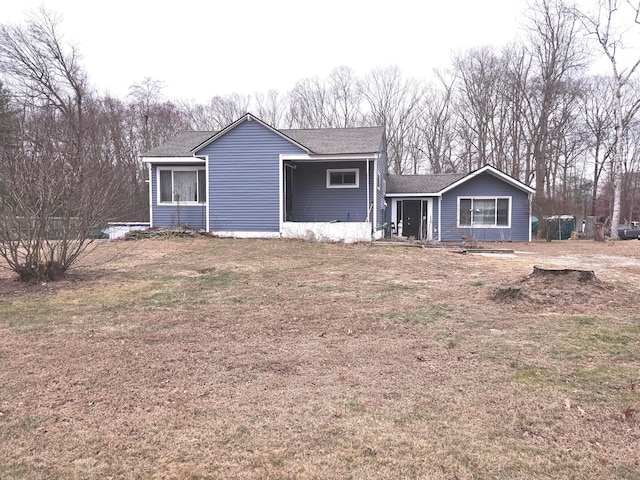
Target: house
{"x": 253, "y": 180}
{"x": 484, "y": 205}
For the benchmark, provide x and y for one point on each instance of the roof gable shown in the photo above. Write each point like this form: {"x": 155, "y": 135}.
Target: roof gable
{"x": 247, "y": 117}
{"x": 496, "y": 173}
{"x": 437, "y": 184}
{"x": 320, "y": 141}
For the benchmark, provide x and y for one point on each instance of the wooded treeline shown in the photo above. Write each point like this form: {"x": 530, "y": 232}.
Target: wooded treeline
{"x": 532, "y": 109}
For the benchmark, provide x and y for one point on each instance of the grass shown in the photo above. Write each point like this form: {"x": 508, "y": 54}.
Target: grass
{"x": 213, "y": 358}
{"x": 423, "y": 315}
{"x": 535, "y": 375}
{"x": 221, "y": 279}
{"x": 599, "y": 336}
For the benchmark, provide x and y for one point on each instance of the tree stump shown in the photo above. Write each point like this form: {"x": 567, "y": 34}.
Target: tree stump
{"x": 582, "y": 274}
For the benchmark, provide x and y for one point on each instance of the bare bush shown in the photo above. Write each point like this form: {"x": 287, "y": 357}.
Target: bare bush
{"x": 55, "y": 186}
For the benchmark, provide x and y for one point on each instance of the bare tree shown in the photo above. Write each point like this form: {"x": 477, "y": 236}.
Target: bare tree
{"x": 514, "y": 94}
{"x": 218, "y": 113}
{"x": 308, "y": 104}
{"x": 480, "y": 73}
{"x": 604, "y": 27}
{"x": 345, "y": 102}
{"x": 396, "y": 103}
{"x": 492, "y": 103}
{"x": 9, "y": 119}
{"x": 333, "y": 102}
{"x": 557, "y": 55}
{"x": 437, "y": 126}
{"x": 598, "y": 119}
{"x": 146, "y": 95}
{"x": 56, "y": 192}
{"x": 270, "y": 108}
{"x": 631, "y": 177}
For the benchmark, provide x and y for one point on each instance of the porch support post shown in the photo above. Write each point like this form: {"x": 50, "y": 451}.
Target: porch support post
{"x": 368, "y": 192}
{"x": 375, "y": 196}
{"x": 440, "y": 218}
{"x": 281, "y": 193}
{"x": 151, "y": 181}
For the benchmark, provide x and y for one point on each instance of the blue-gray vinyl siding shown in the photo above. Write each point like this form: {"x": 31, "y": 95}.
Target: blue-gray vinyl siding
{"x": 169, "y": 216}
{"x": 435, "y": 202}
{"x": 314, "y": 202}
{"x": 485, "y": 185}
{"x": 244, "y": 194}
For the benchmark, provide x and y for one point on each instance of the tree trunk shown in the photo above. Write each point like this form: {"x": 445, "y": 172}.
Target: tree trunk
{"x": 616, "y": 166}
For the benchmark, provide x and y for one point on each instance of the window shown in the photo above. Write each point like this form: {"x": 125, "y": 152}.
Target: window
{"x": 484, "y": 212}
{"x": 182, "y": 185}
{"x": 343, "y": 178}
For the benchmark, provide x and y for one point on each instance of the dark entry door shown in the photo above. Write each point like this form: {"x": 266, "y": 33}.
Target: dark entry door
{"x": 411, "y": 218}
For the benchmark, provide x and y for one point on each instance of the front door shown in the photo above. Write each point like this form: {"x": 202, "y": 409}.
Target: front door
{"x": 411, "y": 215}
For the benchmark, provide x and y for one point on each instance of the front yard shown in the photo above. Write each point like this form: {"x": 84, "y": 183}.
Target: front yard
{"x": 219, "y": 358}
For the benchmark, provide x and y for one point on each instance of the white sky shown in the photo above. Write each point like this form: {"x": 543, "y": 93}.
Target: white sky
{"x": 201, "y": 48}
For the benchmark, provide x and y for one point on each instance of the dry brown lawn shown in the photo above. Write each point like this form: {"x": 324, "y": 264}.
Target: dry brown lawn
{"x": 246, "y": 359}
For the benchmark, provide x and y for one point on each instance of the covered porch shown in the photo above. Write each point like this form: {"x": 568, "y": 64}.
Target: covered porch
{"x": 329, "y": 199}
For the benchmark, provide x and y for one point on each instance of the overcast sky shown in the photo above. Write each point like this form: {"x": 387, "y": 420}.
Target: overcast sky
{"x": 203, "y": 48}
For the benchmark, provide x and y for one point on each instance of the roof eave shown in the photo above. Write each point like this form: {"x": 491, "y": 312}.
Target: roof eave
{"x": 436, "y": 194}
{"x": 319, "y": 157}
{"x": 172, "y": 160}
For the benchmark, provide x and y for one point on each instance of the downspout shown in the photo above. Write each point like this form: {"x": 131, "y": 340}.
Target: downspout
{"x": 206, "y": 182}
{"x": 366, "y": 219}
{"x": 440, "y": 218}
{"x": 530, "y": 197}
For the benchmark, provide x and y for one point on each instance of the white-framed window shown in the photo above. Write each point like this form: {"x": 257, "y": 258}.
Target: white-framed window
{"x": 485, "y": 212}
{"x": 343, "y": 178}
{"x": 182, "y": 185}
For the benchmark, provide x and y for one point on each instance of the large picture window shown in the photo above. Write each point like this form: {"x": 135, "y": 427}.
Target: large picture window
{"x": 484, "y": 212}
{"x": 182, "y": 185}
{"x": 343, "y": 178}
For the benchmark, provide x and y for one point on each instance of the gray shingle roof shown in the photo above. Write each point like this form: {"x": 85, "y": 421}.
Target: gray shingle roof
{"x": 328, "y": 141}
{"x": 180, "y": 146}
{"x": 421, "y": 183}
{"x": 323, "y": 141}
